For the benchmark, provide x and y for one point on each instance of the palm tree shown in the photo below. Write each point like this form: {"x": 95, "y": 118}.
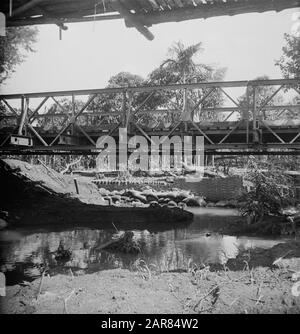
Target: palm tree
{"x": 182, "y": 67}
{"x": 181, "y": 60}
{"x": 182, "y": 63}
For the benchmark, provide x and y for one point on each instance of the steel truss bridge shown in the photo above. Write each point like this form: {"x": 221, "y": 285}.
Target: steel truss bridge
{"x": 252, "y": 127}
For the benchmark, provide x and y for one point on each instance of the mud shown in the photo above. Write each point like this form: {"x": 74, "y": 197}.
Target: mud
{"x": 256, "y": 282}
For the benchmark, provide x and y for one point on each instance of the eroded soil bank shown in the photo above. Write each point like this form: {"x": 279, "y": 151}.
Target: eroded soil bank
{"x": 37, "y": 195}
{"x": 257, "y": 281}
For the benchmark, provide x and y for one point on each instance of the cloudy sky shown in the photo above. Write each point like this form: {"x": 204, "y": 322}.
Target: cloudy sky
{"x": 90, "y": 53}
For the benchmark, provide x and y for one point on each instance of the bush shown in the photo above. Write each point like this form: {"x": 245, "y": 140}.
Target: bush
{"x": 269, "y": 191}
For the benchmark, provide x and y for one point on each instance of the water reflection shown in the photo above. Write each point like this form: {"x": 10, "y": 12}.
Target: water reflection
{"x": 23, "y": 255}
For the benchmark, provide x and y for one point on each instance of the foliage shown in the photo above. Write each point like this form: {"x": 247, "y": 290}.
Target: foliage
{"x": 59, "y": 163}
{"x": 114, "y": 102}
{"x": 181, "y": 67}
{"x": 229, "y": 164}
{"x": 262, "y": 94}
{"x": 270, "y": 190}
{"x": 289, "y": 62}
{"x": 13, "y": 48}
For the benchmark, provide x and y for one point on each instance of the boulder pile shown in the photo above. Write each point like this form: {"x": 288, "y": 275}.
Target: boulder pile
{"x": 150, "y": 197}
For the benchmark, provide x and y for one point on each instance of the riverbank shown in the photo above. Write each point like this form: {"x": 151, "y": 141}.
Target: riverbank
{"x": 257, "y": 281}
{"x": 37, "y": 195}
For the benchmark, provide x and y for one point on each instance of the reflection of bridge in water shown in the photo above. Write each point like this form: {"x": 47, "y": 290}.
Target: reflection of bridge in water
{"x": 74, "y": 122}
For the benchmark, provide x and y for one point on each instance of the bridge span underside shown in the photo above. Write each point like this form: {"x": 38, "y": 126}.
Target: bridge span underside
{"x": 70, "y": 122}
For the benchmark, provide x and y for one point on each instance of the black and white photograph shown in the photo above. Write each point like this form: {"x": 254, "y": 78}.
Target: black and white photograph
{"x": 149, "y": 159}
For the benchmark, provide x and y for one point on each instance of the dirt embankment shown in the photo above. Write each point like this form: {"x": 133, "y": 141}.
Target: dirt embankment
{"x": 37, "y": 195}
{"x": 260, "y": 281}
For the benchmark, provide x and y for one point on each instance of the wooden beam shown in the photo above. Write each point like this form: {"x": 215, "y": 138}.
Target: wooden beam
{"x": 132, "y": 20}
{"x": 72, "y": 11}
{"x": 208, "y": 10}
{"x": 25, "y": 7}
{"x": 49, "y": 20}
{"x": 51, "y": 16}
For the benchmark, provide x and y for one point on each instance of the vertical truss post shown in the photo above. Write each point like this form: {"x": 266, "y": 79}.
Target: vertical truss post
{"x": 128, "y": 112}
{"x": 73, "y": 114}
{"x": 124, "y": 110}
{"x": 256, "y": 138}
{"x": 185, "y": 107}
{"x": 254, "y": 109}
{"x": 24, "y": 110}
{"x": 246, "y": 113}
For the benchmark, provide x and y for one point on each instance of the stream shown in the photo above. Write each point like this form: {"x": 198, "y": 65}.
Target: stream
{"x": 24, "y": 252}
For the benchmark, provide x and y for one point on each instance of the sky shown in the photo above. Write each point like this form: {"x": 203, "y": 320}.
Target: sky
{"x": 90, "y": 53}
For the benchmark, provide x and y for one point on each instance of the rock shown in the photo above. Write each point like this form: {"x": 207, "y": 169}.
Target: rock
{"x": 149, "y": 191}
{"x": 3, "y": 224}
{"x": 182, "y": 205}
{"x": 222, "y": 204}
{"x": 141, "y": 198}
{"x": 136, "y": 195}
{"x": 108, "y": 199}
{"x": 210, "y": 205}
{"x": 202, "y": 201}
{"x": 172, "y": 204}
{"x": 172, "y": 195}
{"x": 151, "y": 197}
{"x": 182, "y": 195}
{"x": 116, "y": 198}
{"x": 103, "y": 191}
{"x": 195, "y": 202}
{"x": 191, "y": 202}
{"x": 154, "y": 204}
{"x": 138, "y": 204}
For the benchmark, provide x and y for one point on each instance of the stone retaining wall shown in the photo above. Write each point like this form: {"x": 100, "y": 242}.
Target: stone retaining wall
{"x": 213, "y": 189}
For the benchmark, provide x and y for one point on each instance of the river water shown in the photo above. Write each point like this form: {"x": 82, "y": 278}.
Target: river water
{"x": 24, "y": 253}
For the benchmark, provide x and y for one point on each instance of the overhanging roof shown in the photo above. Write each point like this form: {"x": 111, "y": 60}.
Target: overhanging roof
{"x": 140, "y": 14}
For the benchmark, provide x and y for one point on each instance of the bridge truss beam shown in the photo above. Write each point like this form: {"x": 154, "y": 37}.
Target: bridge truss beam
{"x": 251, "y": 127}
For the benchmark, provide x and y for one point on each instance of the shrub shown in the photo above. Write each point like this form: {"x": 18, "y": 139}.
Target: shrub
{"x": 269, "y": 191}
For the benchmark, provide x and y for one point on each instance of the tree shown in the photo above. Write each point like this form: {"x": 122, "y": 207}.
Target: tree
{"x": 289, "y": 62}
{"x": 114, "y": 102}
{"x": 13, "y": 48}
{"x": 181, "y": 67}
{"x": 270, "y": 191}
{"x": 262, "y": 94}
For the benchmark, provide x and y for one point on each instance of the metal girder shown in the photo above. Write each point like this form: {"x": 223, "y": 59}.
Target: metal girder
{"x": 198, "y": 85}
{"x": 73, "y": 118}
{"x": 214, "y": 135}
